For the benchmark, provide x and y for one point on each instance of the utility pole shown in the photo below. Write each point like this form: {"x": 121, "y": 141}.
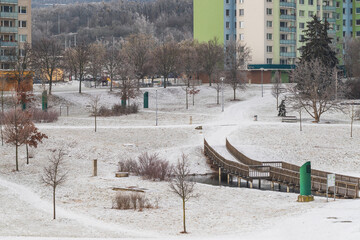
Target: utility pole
{"x": 222, "y": 94}
{"x": 156, "y": 108}
{"x": 262, "y": 82}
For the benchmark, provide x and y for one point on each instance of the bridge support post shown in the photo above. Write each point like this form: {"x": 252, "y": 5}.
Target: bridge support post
{"x": 272, "y": 185}
{"x": 251, "y": 185}
{"x": 220, "y": 176}
{"x": 287, "y": 188}
{"x": 259, "y": 183}
{"x": 239, "y": 181}
{"x": 247, "y": 183}
{"x": 279, "y": 187}
{"x": 228, "y": 179}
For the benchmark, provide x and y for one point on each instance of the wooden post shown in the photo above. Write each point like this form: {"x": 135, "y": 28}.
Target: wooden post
{"x": 287, "y": 188}
{"x": 220, "y": 176}
{"x": 228, "y": 179}
{"x": 95, "y": 167}
{"x": 272, "y": 185}
{"x": 190, "y": 120}
{"x": 239, "y": 181}
{"x": 251, "y": 185}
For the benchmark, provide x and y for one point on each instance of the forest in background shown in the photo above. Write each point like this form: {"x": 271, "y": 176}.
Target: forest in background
{"x": 115, "y": 20}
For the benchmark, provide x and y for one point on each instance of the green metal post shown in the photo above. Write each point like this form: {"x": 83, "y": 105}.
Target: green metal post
{"x": 44, "y": 101}
{"x": 305, "y": 179}
{"x": 146, "y": 100}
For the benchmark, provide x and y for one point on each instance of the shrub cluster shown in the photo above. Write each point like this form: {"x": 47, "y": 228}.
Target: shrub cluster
{"x": 118, "y": 110}
{"x": 39, "y": 115}
{"x": 353, "y": 89}
{"x": 149, "y": 166}
{"x": 134, "y": 201}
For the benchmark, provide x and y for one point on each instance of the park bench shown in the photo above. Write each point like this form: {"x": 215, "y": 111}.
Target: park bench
{"x": 289, "y": 119}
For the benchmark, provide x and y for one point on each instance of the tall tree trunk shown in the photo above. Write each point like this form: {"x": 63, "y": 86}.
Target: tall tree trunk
{"x": 54, "y": 202}
{"x": 218, "y": 96}
{"x": 193, "y": 98}
{"x": 50, "y": 84}
{"x": 80, "y": 85}
{"x": 234, "y": 94}
{"x": 187, "y": 98}
{"x": 16, "y": 157}
{"x": 27, "y": 154}
{"x": 95, "y": 122}
{"x": 184, "y": 223}
{"x": 111, "y": 85}
{"x": 210, "y": 79}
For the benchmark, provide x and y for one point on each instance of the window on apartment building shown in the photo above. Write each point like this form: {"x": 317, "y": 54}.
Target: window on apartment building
{"x": 351, "y": 12}
{"x": 269, "y": 36}
{"x": 301, "y": 1}
{"x": 301, "y": 13}
{"x": 227, "y": 12}
{"x": 227, "y": 1}
{"x": 269, "y": 61}
{"x": 302, "y": 37}
{"x": 22, "y": 52}
{"x": 357, "y": 22}
{"x": 6, "y": 8}
{"x": 301, "y": 25}
{"x": 22, "y": 24}
{"x": 283, "y": 36}
{"x": 269, "y": 11}
{"x": 358, "y": 33}
{"x": 283, "y": 61}
{"x": 269, "y": 24}
{"x": 241, "y": 12}
{"x": 234, "y": 24}
{"x": 283, "y": 49}
{"x": 22, "y": 9}
{"x": 344, "y": 11}
{"x": 269, "y": 49}
{"x": 241, "y": 36}
{"x": 344, "y": 22}
{"x": 227, "y": 25}
{"x": 241, "y": 24}
{"x": 337, "y": 15}
{"x": 337, "y": 27}
{"x": 241, "y": 1}
{"x": 310, "y": 13}
{"x": 337, "y": 4}
{"x": 23, "y": 38}
{"x": 357, "y": 10}
{"x": 311, "y": 2}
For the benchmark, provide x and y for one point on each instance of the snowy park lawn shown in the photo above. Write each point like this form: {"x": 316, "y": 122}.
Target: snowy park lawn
{"x": 85, "y": 202}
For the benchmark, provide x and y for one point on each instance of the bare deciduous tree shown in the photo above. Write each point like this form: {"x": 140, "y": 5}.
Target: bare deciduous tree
{"x": 138, "y": 49}
{"x": 180, "y": 186}
{"x": 94, "y": 103}
{"x": 112, "y": 62}
{"x": 237, "y": 56}
{"x": 211, "y": 55}
{"x": 352, "y": 57}
{"x": 165, "y": 58}
{"x": 46, "y": 58}
{"x": 54, "y": 175}
{"x": 277, "y": 89}
{"x": 96, "y": 61}
{"x": 314, "y": 90}
{"x": 81, "y": 59}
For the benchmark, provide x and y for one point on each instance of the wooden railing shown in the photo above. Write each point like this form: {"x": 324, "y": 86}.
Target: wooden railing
{"x": 289, "y": 173}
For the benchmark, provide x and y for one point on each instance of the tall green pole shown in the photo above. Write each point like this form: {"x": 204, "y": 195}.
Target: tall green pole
{"x": 305, "y": 183}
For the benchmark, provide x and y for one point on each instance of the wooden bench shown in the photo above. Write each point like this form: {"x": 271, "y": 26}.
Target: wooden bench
{"x": 289, "y": 119}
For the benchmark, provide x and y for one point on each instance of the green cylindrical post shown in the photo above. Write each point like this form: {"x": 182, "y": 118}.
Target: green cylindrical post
{"x": 123, "y": 102}
{"x": 44, "y": 101}
{"x": 305, "y": 179}
{"x": 146, "y": 100}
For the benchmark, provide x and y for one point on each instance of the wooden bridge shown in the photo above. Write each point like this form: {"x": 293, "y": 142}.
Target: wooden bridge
{"x": 282, "y": 173}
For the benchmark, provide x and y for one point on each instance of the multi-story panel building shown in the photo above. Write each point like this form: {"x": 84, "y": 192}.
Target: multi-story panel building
{"x": 272, "y": 29}
{"x": 15, "y": 29}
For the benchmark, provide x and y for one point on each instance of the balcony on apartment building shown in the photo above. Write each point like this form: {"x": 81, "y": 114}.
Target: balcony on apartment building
{"x": 9, "y": 1}
{"x": 8, "y": 29}
{"x": 288, "y": 54}
{"x": 288, "y": 29}
{"x": 287, "y": 4}
{"x": 8, "y": 44}
{"x": 10, "y": 15}
{"x": 288, "y": 42}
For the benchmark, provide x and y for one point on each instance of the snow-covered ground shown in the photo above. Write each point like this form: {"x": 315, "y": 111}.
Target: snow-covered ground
{"x": 85, "y": 202}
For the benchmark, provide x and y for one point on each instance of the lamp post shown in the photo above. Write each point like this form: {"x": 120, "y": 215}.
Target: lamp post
{"x": 262, "y": 82}
{"x": 222, "y": 94}
{"x": 156, "y": 108}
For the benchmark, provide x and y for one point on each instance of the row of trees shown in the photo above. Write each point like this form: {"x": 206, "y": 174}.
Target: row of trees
{"x": 141, "y": 56}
